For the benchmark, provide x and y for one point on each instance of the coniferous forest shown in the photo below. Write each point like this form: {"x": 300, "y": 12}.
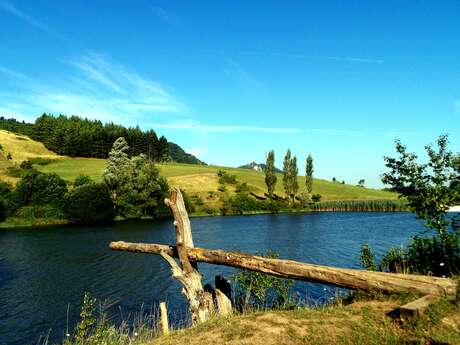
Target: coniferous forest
{"x": 77, "y": 137}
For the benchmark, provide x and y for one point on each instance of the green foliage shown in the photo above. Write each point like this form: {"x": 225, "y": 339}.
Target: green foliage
{"x": 6, "y": 199}
{"x": 359, "y": 205}
{"x": 26, "y": 165}
{"x": 316, "y": 197}
{"x": 290, "y": 172}
{"x": 89, "y": 203}
{"x": 35, "y": 212}
{"x": 261, "y": 290}
{"x": 309, "y": 174}
{"x": 270, "y": 173}
{"x": 9, "y": 156}
{"x": 225, "y": 177}
{"x": 242, "y": 188}
{"x": 14, "y": 171}
{"x": 394, "y": 261}
{"x": 87, "y": 319}
{"x": 135, "y": 184}
{"x": 36, "y": 188}
{"x": 361, "y": 183}
{"x": 187, "y": 202}
{"x": 41, "y": 161}
{"x": 367, "y": 258}
{"x": 430, "y": 188}
{"x": 82, "y": 180}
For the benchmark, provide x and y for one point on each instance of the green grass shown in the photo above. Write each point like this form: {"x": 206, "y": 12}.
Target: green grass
{"x": 70, "y": 168}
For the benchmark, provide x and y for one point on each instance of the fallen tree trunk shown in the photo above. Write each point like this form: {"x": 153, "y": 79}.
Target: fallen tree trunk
{"x": 343, "y": 277}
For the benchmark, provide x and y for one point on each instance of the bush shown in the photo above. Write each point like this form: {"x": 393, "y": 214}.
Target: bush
{"x": 316, "y": 197}
{"x": 187, "y": 202}
{"x": 225, "y": 177}
{"x": 41, "y": 161}
{"x": 81, "y": 180}
{"x": 260, "y": 290}
{"x": 39, "y": 211}
{"x": 14, "y": 171}
{"x": 89, "y": 204}
{"x": 6, "y": 199}
{"x": 25, "y": 165}
{"x": 36, "y": 188}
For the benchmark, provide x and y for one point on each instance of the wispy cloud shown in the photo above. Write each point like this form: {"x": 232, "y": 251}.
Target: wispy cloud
{"x": 241, "y": 75}
{"x": 196, "y": 127}
{"x": 356, "y": 59}
{"x": 166, "y": 16}
{"x": 335, "y": 132}
{"x": 12, "y": 9}
{"x": 96, "y": 88}
{"x": 349, "y": 59}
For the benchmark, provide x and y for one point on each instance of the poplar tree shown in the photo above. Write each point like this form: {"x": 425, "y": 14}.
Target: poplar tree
{"x": 294, "y": 171}
{"x": 270, "y": 174}
{"x": 290, "y": 172}
{"x": 309, "y": 174}
{"x": 286, "y": 172}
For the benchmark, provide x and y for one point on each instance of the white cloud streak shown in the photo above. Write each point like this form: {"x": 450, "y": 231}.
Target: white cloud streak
{"x": 9, "y": 7}
{"x": 349, "y": 59}
{"x": 98, "y": 88}
{"x": 205, "y": 128}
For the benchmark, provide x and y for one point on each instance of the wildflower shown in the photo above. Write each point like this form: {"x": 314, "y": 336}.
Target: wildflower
{"x": 441, "y": 264}
{"x": 135, "y": 334}
{"x": 67, "y": 335}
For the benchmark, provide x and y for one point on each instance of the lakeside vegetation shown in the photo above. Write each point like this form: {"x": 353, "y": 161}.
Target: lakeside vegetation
{"x": 209, "y": 190}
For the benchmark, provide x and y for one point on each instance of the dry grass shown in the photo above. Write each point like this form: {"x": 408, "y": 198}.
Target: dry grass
{"x": 363, "y": 322}
{"x": 22, "y": 147}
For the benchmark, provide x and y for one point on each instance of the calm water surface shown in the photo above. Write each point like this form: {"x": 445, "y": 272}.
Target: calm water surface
{"x": 45, "y": 271}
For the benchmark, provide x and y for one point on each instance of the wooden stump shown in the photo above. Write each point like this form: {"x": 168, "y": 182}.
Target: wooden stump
{"x": 200, "y": 302}
{"x": 164, "y": 318}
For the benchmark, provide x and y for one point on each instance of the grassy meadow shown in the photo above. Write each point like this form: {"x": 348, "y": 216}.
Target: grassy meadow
{"x": 203, "y": 179}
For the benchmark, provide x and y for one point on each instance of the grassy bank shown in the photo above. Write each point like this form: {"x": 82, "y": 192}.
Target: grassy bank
{"x": 362, "y": 322}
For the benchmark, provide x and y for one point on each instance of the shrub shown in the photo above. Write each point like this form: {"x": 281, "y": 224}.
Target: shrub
{"x": 89, "y": 204}
{"x": 81, "y": 180}
{"x": 261, "y": 290}
{"x": 36, "y": 188}
{"x": 316, "y": 197}
{"x": 225, "y": 177}
{"x": 6, "y": 199}
{"x": 25, "y": 165}
{"x": 41, "y": 161}
{"x": 222, "y": 188}
{"x": 39, "y": 211}
{"x": 187, "y": 202}
{"x": 14, "y": 171}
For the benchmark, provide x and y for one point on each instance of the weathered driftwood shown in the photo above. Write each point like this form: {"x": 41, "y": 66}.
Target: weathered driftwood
{"x": 164, "y": 318}
{"x": 343, "y": 277}
{"x": 201, "y": 303}
{"x": 223, "y": 304}
{"x": 415, "y": 309}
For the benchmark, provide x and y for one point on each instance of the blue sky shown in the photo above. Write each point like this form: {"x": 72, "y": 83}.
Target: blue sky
{"x": 230, "y": 80}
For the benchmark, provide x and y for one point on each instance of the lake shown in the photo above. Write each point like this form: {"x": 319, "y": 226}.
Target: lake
{"x": 45, "y": 272}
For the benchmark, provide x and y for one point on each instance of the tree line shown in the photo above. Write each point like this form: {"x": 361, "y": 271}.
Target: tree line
{"x": 77, "y": 137}
{"x": 290, "y": 182}
{"x": 131, "y": 188}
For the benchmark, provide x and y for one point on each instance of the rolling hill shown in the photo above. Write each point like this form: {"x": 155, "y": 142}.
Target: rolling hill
{"x": 196, "y": 179}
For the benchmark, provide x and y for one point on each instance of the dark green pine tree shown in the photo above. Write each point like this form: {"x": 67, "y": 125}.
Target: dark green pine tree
{"x": 270, "y": 174}
{"x": 309, "y": 174}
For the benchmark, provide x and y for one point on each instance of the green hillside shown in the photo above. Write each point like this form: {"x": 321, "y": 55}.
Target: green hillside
{"x": 202, "y": 179}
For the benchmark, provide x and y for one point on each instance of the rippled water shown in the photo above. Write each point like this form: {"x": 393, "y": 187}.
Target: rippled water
{"x": 45, "y": 271}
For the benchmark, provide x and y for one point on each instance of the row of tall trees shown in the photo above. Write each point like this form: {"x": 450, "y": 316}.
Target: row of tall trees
{"x": 290, "y": 172}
